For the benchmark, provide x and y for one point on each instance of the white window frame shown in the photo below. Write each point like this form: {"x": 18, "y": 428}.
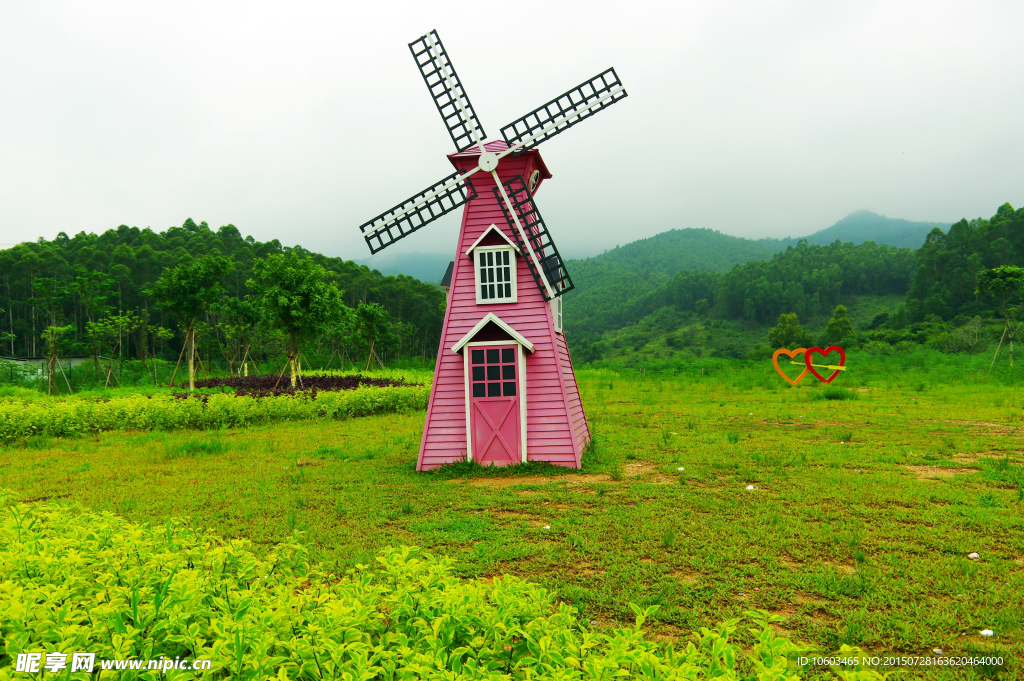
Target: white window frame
{"x": 556, "y": 313}
{"x": 513, "y": 278}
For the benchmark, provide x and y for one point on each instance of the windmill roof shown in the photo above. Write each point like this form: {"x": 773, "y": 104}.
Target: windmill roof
{"x": 498, "y": 146}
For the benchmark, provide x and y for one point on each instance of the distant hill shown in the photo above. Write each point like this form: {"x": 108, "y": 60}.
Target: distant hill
{"x": 662, "y": 255}
{"x": 427, "y": 267}
{"x": 665, "y": 254}
{"x": 867, "y": 226}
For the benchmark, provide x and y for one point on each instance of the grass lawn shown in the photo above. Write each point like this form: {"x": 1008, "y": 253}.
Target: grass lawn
{"x": 858, "y": 528}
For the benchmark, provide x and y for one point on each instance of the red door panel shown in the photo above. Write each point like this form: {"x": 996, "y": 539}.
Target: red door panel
{"x": 494, "y": 404}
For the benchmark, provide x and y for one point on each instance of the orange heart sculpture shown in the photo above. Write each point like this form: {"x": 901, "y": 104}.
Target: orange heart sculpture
{"x": 792, "y": 355}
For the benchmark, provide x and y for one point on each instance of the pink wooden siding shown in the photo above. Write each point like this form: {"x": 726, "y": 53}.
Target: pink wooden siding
{"x": 556, "y": 428}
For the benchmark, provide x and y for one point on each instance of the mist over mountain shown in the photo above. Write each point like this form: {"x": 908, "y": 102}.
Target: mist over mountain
{"x": 663, "y": 255}
{"x": 863, "y": 225}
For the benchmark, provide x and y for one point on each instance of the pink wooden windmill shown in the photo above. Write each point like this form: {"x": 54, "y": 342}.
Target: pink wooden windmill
{"x": 504, "y": 390}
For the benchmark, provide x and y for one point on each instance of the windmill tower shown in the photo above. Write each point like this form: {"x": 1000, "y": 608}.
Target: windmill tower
{"x": 504, "y": 389}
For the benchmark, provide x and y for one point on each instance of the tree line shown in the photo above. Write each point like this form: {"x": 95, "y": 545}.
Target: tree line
{"x": 116, "y": 294}
{"x": 809, "y": 280}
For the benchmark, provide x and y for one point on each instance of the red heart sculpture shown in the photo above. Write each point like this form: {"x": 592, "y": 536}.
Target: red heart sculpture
{"x": 832, "y": 348}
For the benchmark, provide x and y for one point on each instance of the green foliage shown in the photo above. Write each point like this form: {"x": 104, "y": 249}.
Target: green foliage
{"x": 293, "y": 295}
{"x": 839, "y": 328}
{"x": 810, "y": 279}
{"x": 89, "y": 276}
{"x": 1005, "y": 284}
{"x": 169, "y": 591}
{"x": 788, "y": 333}
{"x": 948, "y": 263}
{"x": 187, "y": 289}
{"x": 77, "y": 416}
{"x": 805, "y": 280}
{"x": 832, "y": 393}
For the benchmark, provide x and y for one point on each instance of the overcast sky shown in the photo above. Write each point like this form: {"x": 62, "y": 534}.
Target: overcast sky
{"x": 301, "y": 120}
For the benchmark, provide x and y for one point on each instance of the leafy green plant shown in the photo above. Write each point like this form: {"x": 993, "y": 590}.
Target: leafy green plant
{"x": 77, "y": 416}
{"x": 172, "y": 591}
{"x": 834, "y": 393}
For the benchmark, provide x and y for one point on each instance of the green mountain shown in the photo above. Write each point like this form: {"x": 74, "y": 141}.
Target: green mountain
{"x": 867, "y": 226}
{"x": 893, "y": 294}
{"x": 609, "y": 286}
{"x": 665, "y": 254}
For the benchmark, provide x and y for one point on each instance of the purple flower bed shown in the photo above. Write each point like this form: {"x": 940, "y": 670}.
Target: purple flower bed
{"x": 263, "y": 386}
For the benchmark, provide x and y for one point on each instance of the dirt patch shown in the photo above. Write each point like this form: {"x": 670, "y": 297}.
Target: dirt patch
{"x": 808, "y": 600}
{"x": 585, "y": 570}
{"x": 513, "y": 515}
{"x": 633, "y": 470}
{"x": 843, "y": 568}
{"x": 302, "y": 463}
{"x": 935, "y": 472}
{"x": 986, "y": 426}
{"x": 789, "y": 562}
{"x": 685, "y": 576}
{"x": 571, "y": 480}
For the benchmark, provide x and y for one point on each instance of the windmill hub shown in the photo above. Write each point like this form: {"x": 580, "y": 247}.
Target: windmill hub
{"x": 488, "y": 161}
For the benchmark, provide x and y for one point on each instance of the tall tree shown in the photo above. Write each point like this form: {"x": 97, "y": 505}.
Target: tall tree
{"x": 374, "y": 326}
{"x": 1004, "y": 284}
{"x": 839, "y": 328}
{"x": 788, "y": 333}
{"x": 188, "y": 289}
{"x": 293, "y": 295}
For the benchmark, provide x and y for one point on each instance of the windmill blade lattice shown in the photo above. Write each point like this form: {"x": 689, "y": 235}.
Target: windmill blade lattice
{"x": 565, "y": 111}
{"x": 537, "y": 233}
{"x": 446, "y": 89}
{"x": 417, "y": 211}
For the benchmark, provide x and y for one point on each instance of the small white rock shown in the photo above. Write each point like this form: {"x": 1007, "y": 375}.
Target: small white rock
{"x": 547, "y": 527}
{"x": 750, "y": 414}
{"x": 681, "y": 468}
{"x": 750, "y": 487}
{"x": 973, "y": 556}
{"x": 675, "y": 433}
{"x": 842, "y": 443}
{"x": 987, "y": 632}
{"x": 937, "y": 651}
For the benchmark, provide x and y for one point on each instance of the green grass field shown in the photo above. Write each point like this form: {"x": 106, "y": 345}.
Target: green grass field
{"x": 867, "y": 499}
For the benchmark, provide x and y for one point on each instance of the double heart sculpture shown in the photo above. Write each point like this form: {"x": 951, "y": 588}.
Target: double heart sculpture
{"x": 808, "y": 361}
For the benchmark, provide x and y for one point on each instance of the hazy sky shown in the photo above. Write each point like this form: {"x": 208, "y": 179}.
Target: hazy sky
{"x": 301, "y": 120}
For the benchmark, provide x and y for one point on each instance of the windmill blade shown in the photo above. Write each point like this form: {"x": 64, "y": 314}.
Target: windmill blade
{"x": 436, "y": 200}
{"x": 540, "y": 243}
{"x": 446, "y": 89}
{"x": 565, "y": 111}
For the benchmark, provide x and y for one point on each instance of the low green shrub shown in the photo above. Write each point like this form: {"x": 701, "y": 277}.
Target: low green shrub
{"x": 75, "y": 581}
{"x": 74, "y": 416}
{"x": 833, "y": 393}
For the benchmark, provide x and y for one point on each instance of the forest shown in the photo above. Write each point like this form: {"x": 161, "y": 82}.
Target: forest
{"x": 927, "y": 295}
{"x": 99, "y": 291}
